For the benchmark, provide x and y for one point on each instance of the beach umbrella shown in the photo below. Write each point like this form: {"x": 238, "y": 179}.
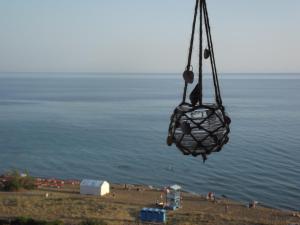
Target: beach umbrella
{"x": 198, "y": 128}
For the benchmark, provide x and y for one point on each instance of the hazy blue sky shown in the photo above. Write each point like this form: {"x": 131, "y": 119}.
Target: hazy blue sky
{"x": 145, "y": 35}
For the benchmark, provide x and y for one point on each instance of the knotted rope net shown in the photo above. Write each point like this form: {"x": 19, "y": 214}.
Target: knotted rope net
{"x": 197, "y": 128}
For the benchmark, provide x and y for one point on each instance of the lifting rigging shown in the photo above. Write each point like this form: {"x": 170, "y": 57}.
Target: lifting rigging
{"x": 199, "y": 128}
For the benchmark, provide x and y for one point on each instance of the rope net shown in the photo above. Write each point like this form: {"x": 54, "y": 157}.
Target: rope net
{"x": 197, "y": 128}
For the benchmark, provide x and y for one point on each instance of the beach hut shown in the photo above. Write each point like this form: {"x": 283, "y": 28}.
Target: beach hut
{"x": 94, "y": 187}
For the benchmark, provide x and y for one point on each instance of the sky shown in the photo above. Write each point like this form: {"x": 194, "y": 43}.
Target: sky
{"x": 150, "y": 36}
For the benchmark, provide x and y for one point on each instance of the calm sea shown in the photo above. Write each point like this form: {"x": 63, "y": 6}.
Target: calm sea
{"x": 114, "y": 127}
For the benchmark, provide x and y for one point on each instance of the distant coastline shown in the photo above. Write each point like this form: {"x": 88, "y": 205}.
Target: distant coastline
{"x": 147, "y": 73}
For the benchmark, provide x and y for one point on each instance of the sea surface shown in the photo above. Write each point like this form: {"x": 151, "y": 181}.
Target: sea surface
{"x": 114, "y": 127}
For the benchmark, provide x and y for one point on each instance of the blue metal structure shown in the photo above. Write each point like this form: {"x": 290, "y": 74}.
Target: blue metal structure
{"x": 173, "y": 197}
{"x": 153, "y": 215}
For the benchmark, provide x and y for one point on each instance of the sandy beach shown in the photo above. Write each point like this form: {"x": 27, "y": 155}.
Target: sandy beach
{"x": 122, "y": 206}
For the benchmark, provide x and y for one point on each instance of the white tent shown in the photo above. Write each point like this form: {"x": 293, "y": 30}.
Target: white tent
{"x": 94, "y": 187}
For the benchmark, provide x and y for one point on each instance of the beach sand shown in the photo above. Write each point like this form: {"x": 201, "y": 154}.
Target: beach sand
{"x": 122, "y": 206}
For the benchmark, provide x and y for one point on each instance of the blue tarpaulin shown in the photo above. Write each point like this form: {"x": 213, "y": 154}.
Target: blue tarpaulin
{"x": 153, "y": 215}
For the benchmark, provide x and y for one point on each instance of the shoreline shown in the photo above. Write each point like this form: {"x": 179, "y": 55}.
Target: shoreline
{"x": 157, "y": 187}
{"x": 124, "y": 203}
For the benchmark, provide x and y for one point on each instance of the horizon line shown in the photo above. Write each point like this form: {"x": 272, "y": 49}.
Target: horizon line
{"x": 145, "y": 73}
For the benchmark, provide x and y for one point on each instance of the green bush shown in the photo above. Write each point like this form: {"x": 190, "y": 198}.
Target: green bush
{"x": 30, "y": 221}
{"x": 93, "y": 222}
{"x": 12, "y": 185}
{"x": 27, "y": 183}
{"x": 56, "y": 223}
{"x": 20, "y": 221}
{"x": 15, "y": 182}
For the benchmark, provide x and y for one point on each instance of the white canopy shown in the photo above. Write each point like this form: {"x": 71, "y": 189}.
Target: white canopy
{"x": 175, "y": 187}
{"x": 94, "y": 187}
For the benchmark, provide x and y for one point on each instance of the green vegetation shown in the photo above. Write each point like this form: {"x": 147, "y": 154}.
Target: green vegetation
{"x": 93, "y": 222}
{"x": 123, "y": 206}
{"x": 28, "y": 221}
{"x": 14, "y": 181}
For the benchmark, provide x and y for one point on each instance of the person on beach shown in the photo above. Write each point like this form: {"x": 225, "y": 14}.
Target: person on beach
{"x": 210, "y": 196}
{"x": 226, "y": 208}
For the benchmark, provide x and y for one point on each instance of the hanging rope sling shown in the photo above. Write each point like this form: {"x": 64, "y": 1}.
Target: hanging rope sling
{"x": 199, "y": 128}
